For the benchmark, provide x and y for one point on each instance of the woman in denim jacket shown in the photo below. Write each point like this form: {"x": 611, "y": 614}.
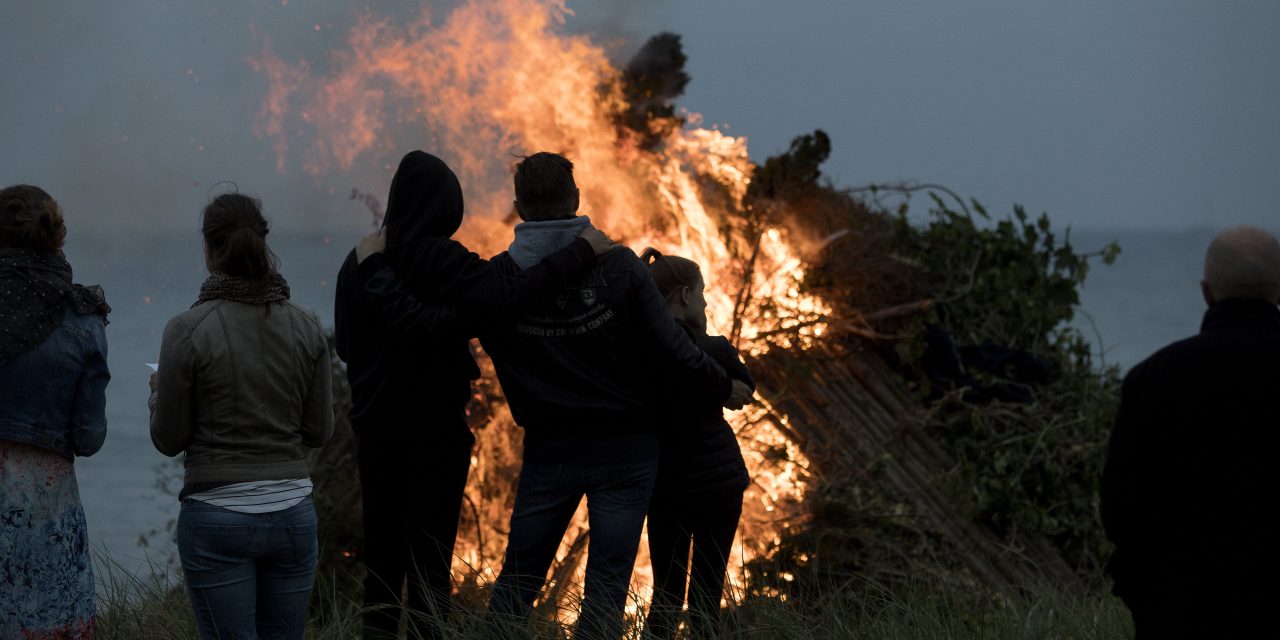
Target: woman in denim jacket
{"x": 244, "y": 390}
{"x": 53, "y": 381}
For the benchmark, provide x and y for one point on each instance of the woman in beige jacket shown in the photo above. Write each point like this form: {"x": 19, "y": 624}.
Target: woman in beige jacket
{"x": 243, "y": 389}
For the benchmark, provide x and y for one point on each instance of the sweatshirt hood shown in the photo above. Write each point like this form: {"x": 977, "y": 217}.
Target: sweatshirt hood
{"x": 536, "y": 240}
{"x": 425, "y": 201}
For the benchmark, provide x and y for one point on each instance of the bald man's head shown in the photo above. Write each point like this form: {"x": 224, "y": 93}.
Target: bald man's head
{"x": 1242, "y": 262}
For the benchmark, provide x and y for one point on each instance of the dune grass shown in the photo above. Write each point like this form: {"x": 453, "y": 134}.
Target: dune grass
{"x": 154, "y": 607}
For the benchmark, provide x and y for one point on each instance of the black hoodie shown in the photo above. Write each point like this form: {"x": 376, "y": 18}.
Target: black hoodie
{"x": 421, "y": 372}
{"x": 700, "y": 453}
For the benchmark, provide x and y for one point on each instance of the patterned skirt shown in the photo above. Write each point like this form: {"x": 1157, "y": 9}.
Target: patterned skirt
{"x": 46, "y": 576}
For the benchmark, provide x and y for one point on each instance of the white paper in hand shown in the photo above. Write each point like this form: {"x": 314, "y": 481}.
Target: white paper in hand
{"x": 155, "y": 366}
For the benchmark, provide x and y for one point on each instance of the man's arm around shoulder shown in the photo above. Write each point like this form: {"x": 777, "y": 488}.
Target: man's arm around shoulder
{"x": 665, "y": 339}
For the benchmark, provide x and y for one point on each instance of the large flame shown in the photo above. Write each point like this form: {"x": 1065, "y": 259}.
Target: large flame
{"x": 496, "y": 79}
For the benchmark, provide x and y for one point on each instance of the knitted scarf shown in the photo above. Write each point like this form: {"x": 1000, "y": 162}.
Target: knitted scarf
{"x": 35, "y": 290}
{"x": 220, "y": 286}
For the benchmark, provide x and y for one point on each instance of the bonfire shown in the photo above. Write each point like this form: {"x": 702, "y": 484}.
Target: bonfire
{"x": 492, "y": 80}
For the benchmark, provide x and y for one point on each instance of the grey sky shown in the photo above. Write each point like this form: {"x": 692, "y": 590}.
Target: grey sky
{"x": 1105, "y": 114}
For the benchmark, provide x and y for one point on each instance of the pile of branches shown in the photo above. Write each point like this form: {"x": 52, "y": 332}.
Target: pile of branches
{"x": 956, "y": 420}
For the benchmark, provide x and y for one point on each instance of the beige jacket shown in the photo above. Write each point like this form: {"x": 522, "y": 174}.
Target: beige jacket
{"x": 243, "y": 389}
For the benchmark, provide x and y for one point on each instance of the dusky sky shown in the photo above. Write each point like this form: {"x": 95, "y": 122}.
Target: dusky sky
{"x": 1133, "y": 115}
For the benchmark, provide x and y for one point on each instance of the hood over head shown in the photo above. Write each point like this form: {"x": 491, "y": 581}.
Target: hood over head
{"x": 425, "y": 201}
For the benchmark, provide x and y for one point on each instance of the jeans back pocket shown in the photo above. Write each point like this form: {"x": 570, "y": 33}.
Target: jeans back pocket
{"x": 213, "y": 547}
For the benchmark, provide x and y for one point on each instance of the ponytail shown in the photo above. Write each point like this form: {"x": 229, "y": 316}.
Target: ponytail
{"x": 670, "y": 272}
{"x": 236, "y": 233}
{"x": 649, "y": 256}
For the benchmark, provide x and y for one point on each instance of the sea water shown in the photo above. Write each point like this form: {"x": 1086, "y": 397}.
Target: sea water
{"x": 1149, "y": 298}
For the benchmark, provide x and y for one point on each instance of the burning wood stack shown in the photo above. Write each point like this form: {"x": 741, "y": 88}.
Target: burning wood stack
{"x": 852, "y": 416}
{"x": 495, "y": 78}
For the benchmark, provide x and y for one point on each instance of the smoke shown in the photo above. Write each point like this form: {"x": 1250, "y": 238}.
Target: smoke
{"x": 128, "y": 112}
{"x": 619, "y": 26}
{"x": 651, "y": 82}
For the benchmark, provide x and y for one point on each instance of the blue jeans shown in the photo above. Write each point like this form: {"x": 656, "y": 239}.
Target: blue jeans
{"x": 248, "y": 575}
{"x": 546, "y": 498}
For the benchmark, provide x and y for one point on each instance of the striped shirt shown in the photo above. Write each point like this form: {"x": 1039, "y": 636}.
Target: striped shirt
{"x": 259, "y": 496}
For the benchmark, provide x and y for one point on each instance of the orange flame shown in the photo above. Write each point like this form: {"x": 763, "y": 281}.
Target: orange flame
{"x": 497, "y": 79}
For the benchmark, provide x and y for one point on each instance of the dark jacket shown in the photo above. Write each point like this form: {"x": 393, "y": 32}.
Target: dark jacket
{"x": 405, "y": 340}
{"x": 699, "y": 451}
{"x": 573, "y": 366}
{"x": 1190, "y": 485}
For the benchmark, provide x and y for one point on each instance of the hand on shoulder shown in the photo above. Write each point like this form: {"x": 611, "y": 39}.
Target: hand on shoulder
{"x": 600, "y": 243}
{"x": 375, "y": 242}
{"x": 740, "y": 396}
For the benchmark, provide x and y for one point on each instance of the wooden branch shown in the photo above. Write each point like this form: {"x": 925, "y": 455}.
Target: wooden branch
{"x": 897, "y": 311}
{"x": 907, "y": 189}
{"x": 562, "y": 574}
{"x": 744, "y": 294}
{"x": 791, "y": 329}
{"x": 475, "y": 513}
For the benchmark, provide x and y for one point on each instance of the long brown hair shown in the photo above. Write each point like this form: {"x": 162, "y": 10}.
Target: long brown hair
{"x": 236, "y": 232}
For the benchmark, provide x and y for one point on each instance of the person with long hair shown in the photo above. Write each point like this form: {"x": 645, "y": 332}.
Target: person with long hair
{"x": 53, "y": 381}
{"x": 697, "y": 498}
{"x": 244, "y": 389}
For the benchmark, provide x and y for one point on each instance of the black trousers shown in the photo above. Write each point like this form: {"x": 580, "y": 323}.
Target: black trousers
{"x": 412, "y": 496}
{"x": 689, "y": 544}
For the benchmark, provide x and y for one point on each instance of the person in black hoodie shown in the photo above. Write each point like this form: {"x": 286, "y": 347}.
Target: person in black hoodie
{"x": 411, "y": 380}
{"x": 697, "y": 500}
{"x": 1190, "y": 478}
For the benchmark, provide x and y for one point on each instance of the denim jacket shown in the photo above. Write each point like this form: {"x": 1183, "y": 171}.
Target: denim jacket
{"x": 54, "y": 396}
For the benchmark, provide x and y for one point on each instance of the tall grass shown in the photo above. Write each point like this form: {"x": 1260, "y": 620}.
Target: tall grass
{"x": 153, "y": 607}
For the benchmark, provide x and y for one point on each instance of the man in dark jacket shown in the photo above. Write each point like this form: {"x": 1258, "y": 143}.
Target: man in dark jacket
{"x": 1190, "y": 480}
{"x": 573, "y": 370}
{"x": 411, "y": 381}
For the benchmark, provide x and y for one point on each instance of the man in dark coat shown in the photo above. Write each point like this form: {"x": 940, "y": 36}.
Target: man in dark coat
{"x": 573, "y": 368}
{"x": 411, "y": 381}
{"x": 1190, "y": 482}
